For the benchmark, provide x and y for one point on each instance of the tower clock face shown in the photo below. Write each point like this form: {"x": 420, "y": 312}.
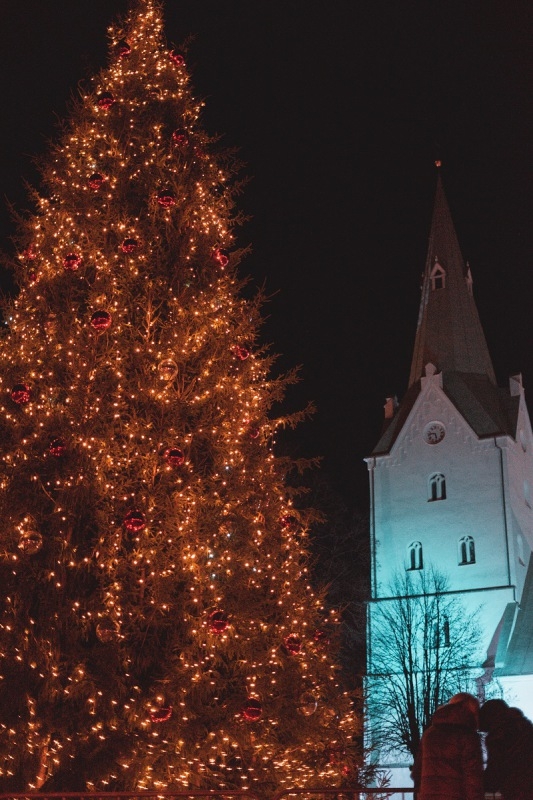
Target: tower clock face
{"x": 434, "y": 432}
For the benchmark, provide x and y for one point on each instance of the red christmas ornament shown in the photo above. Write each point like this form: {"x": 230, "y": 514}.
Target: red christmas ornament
{"x": 218, "y": 621}
{"x": 288, "y": 523}
{"x": 101, "y": 321}
{"x": 123, "y": 49}
{"x": 252, "y": 710}
{"x": 240, "y": 352}
{"x": 32, "y": 276}
{"x": 135, "y": 521}
{"x": 162, "y": 714}
{"x": 105, "y": 100}
{"x": 293, "y": 644}
{"x": 30, "y": 542}
{"x": 95, "y": 180}
{"x": 106, "y": 630}
{"x": 180, "y": 137}
{"x": 177, "y": 58}
{"x": 254, "y": 432}
{"x": 57, "y": 447}
{"x": 174, "y": 457}
{"x": 21, "y": 394}
{"x": 167, "y": 369}
{"x": 72, "y": 262}
{"x": 166, "y": 198}
{"x": 30, "y": 253}
{"x": 129, "y": 245}
{"x": 221, "y": 256}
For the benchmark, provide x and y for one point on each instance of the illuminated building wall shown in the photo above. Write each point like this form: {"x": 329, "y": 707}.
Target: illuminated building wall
{"x": 451, "y": 479}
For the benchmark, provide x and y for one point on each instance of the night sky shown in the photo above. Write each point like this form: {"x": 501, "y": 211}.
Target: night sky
{"x": 339, "y": 110}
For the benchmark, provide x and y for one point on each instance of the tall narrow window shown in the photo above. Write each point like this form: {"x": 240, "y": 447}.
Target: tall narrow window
{"x": 436, "y": 487}
{"x": 414, "y": 556}
{"x": 446, "y": 632}
{"x": 467, "y": 551}
{"x": 441, "y": 633}
{"x": 437, "y": 277}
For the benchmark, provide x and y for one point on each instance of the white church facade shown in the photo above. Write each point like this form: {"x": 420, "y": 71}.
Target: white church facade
{"x": 451, "y": 482}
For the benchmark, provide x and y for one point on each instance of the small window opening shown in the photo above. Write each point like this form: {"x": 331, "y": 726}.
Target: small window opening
{"x": 467, "y": 551}
{"x": 436, "y": 487}
{"x": 414, "y": 556}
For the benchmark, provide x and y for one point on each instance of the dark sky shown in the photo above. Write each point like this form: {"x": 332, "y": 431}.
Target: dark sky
{"x": 339, "y": 109}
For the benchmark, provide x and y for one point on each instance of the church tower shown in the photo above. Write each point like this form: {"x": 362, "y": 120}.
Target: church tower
{"x": 451, "y": 483}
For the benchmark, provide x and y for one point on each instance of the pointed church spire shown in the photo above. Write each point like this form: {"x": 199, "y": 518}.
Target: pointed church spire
{"x": 449, "y": 333}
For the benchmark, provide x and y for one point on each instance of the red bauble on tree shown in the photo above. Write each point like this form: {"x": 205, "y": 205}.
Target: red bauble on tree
{"x": 57, "y": 447}
{"x": 95, "y": 181}
{"x": 218, "y": 621}
{"x": 29, "y": 254}
{"x": 106, "y": 630}
{"x": 221, "y": 256}
{"x": 252, "y": 710}
{"x": 72, "y": 262}
{"x": 177, "y": 58}
{"x": 123, "y": 49}
{"x": 240, "y": 352}
{"x": 21, "y": 394}
{"x": 135, "y": 521}
{"x": 180, "y": 137}
{"x": 253, "y": 431}
{"x": 308, "y": 704}
{"x": 30, "y": 542}
{"x": 288, "y": 523}
{"x": 174, "y": 456}
{"x": 161, "y": 714}
{"x": 167, "y": 369}
{"x": 105, "y": 100}
{"x": 293, "y": 644}
{"x": 101, "y": 321}
{"x": 129, "y": 245}
{"x": 166, "y": 198}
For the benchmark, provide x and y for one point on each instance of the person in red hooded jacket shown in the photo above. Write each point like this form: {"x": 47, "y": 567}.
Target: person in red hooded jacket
{"x": 449, "y": 762}
{"x": 509, "y": 746}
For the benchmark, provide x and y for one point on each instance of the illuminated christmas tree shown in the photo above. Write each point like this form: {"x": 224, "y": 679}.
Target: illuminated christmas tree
{"x": 157, "y": 628}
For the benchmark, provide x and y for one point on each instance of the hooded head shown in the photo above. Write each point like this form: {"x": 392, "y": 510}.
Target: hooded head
{"x": 491, "y": 713}
{"x": 467, "y": 700}
{"x": 461, "y": 709}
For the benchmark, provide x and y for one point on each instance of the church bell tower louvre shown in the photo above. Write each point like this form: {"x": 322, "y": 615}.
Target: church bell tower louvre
{"x": 451, "y": 490}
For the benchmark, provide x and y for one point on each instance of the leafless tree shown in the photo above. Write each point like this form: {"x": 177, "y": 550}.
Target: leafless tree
{"x": 424, "y": 648}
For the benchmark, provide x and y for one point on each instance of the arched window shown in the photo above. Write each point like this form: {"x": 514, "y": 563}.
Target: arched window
{"x": 467, "y": 551}
{"x": 436, "y": 487}
{"x": 414, "y": 556}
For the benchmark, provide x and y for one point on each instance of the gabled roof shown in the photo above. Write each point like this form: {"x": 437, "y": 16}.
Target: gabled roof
{"x": 489, "y": 410}
{"x": 449, "y": 333}
{"x": 518, "y": 656}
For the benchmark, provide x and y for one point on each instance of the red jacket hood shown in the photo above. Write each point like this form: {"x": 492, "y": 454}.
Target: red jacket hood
{"x": 454, "y": 714}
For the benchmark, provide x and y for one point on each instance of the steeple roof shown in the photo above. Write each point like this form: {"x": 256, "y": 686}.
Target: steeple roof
{"x": 449, "y": 333}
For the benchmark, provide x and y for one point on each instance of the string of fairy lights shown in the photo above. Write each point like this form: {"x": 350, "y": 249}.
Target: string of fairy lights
{"x": 155, "y": 563}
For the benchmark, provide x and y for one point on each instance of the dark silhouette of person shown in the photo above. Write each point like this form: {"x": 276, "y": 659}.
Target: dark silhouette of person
{"x": 509, "y": 744}
{"x": 449, "y": 762}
